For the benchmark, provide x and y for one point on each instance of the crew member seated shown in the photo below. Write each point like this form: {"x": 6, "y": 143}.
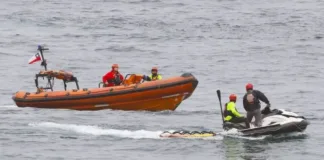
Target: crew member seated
{"x": 113, "y": 78}
{"x": 231, "y": 114}
{"x": 154, "y": 76}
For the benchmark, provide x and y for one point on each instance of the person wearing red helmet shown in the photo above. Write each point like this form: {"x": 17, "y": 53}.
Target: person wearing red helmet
{"x": 155, "y": 76}
{"x": 231, "y": 114}
{"x": 251, "y": 103}
{"x": 113, "y": 78}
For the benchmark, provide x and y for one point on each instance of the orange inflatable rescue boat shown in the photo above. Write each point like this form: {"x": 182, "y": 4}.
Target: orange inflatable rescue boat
{"x": 133, "y": 94}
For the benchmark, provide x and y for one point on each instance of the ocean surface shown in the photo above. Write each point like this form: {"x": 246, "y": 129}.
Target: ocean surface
{"x": 277, "y": 45}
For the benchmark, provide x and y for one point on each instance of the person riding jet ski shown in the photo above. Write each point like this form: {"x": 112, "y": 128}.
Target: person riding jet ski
{"x": 251, "y": 103}
{"x": 231, "y": 114}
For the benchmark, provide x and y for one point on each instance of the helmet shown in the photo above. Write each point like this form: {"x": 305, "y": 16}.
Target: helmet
{"x": 114, "y": 66}
{"x": 154, "y": 69}
{"x": 232, "y": 97}
{"x": 249, "y": 86}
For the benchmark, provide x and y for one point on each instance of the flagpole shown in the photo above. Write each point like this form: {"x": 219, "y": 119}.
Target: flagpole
{"x": 43, "y": 60}
{"x": 41, "y": 49}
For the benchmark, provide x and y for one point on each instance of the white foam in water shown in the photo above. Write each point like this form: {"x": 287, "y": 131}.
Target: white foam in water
{"x": 235, "y": 134}
{"x": 290, "y": 135}
{"x": 95, "y": 130}
{"x": 246, "y": 137}
{"x": 9, "y": 106}
{"x": 139, "y": 134}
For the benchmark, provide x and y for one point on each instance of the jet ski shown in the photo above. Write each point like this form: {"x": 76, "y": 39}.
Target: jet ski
{"x": 276, "y": 121}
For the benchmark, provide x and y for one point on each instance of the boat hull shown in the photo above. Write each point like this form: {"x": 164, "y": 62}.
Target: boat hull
{"x": 158, "y": 95}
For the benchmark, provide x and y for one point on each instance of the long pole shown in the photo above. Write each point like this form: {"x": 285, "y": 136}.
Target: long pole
{"x": 40, "y": 48}
{"x": 220, "y": 104}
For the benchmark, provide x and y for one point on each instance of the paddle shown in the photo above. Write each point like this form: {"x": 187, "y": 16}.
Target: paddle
{"x": 220, "y": 104}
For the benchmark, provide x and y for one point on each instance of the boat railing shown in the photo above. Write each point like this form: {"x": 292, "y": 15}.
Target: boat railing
{"x": 66, "y": 77}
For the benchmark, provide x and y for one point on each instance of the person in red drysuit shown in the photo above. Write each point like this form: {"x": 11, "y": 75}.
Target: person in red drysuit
{"x": 113, "y": 78}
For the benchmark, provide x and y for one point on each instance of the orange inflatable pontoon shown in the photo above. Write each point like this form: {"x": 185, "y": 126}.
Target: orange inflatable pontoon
{"x": 133, "y": 94}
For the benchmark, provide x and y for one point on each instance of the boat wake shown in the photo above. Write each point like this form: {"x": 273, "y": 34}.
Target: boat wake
{"x": 9, "y": 106}
{"x": 144, "y": 134}
{"x": 98, "y": 131}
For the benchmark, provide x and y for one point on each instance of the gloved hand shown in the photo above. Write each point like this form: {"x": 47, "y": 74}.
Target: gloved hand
{"x": 146, "y": 78}
{"x": 266, "y": 110}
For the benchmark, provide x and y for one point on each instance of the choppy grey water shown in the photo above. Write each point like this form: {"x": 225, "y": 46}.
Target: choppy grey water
{"x": 276, "y": 45}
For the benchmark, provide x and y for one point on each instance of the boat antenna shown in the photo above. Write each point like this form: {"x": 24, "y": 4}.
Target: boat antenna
{"x": 41, "y": 49}
{"x": 220, "y": 104}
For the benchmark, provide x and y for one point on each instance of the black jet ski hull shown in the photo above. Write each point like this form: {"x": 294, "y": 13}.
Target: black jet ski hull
{"x": 276, "y": 129}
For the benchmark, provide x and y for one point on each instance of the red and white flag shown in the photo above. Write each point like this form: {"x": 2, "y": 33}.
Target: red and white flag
{"x": 35, "y": 58}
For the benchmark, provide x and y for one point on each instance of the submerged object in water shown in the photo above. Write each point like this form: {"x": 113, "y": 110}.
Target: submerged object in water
{"x": 187, "y": 134}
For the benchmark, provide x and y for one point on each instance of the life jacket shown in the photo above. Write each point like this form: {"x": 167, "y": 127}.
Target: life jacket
{"x": 157, "y": 77}
{"x": 252, "y": 101}
{"x": 116, "y": 80}
{"x": 250, "y": 98}
{"x": 228, "y": 114}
